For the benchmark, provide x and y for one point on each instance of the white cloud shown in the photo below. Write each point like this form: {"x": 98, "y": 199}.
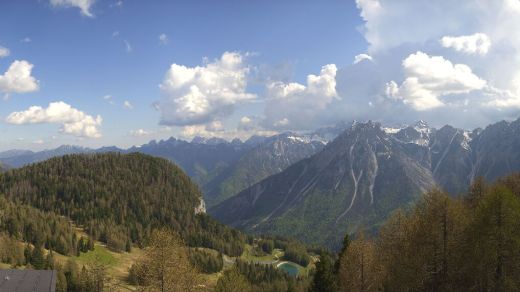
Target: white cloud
{"x": 215, "y": 126}
{"x": 391, "y": 23}
{"x": 163, "y": 39}
{"x": 127, "y": 105}
{"x": 128, "y": 47}
{"x": 83, "y": 5}
{"x": 396, "y": 29}
{"x": 139, "y": 133}
{"x": 245, "y": 120}
{"x": 477, "y": 43}
{"x": 39, "y": 142}
{"x": 118, "y": 4}
{"x": 361, "y": 57}
{"x": 18, "y": 79}
{"x": 202, "y": 94}
{"x": 73, "y": 121}
{"x": 282, "y": 123}
{"x": 4, "y": 52}
{"x": 297, "y": 105}
{"x": 26, "y": 40}
{"x": 188, "y": 132}
{"x": 429, "y": 78}
{"x": 250, "y": 123}
{"x": 108, "y": 98}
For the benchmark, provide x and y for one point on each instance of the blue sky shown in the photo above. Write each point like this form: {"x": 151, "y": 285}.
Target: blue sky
{"x": 79, "y": 59}
{"x": 99, "y": 73}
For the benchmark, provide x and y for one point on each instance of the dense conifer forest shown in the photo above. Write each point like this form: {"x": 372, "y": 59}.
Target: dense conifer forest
{"x": 118, "y": 199}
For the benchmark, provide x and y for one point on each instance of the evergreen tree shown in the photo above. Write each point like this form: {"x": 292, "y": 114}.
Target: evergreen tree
{"x": 324, "y": 278}
{"x": 233, "y": 281}
{"x": 344, "y": 247}
{"x": 38, "y": 259}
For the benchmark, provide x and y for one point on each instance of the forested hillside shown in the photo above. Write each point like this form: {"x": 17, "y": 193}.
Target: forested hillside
{"x": 119, "y": 199}
{"x": 442, "y": 244}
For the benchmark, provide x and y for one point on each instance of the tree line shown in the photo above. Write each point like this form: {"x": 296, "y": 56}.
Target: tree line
{"x": 443, "y": 243}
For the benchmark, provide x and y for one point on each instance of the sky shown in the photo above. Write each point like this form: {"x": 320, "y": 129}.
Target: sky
{"x": 123, "y": 72}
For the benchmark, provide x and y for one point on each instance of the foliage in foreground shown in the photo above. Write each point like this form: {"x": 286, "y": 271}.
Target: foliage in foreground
{"x": 443, "y": 244}
{"x": 165, "y": 265}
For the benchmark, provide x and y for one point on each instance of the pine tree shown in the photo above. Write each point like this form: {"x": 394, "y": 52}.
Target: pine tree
{"x": 344, "y": 247}
{"x": 324, "y": 278}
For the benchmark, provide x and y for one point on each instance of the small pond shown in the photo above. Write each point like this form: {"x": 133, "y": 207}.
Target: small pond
{"x": 290, "y": 268}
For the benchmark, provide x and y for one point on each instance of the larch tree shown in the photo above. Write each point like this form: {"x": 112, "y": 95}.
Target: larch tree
{"x": 165, "y": 265}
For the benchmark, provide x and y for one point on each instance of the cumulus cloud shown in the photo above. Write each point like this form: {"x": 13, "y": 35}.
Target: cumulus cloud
{"x": 163, "y": 39}
{"x": 478, "y": 43}
{"x": 83, "y": 5}
{"x": 139, "y": 133}
{"x": 294, "y": 105}
{"x": 467, "y": 79}
{"x": 127, "y": 105}
{"x": 430, "y": 78}
{"x": 391, "y": 23}
{"x": 188, "y": 132}
{"x": 18, "y": 78}
{"x": 72, "y": 121}
{"x": 362, "y": 57}
{"x": 4, "y": 52}
{"x": 202, "y": 94}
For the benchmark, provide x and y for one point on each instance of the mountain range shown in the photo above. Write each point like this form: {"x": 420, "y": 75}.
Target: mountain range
{"x": 221, "y": 168}
{"x": 339, "y": 178}
{"x": 367, "y": 172}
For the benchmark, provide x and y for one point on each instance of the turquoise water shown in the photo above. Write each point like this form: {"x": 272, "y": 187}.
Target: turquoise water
{"x": 291, "y": 269}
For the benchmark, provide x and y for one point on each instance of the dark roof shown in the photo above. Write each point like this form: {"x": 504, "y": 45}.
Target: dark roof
{"x": 27, "y": 281}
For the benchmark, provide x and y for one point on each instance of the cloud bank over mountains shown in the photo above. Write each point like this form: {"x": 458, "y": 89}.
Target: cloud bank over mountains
{"x": 442, "y": 61}
{"x": 448, "y": 62}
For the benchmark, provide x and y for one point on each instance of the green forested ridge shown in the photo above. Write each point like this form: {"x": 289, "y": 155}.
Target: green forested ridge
{"x": 119, "y": 199}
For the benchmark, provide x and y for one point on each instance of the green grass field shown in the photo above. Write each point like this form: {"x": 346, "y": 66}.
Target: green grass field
{"x": 100, "y": 254}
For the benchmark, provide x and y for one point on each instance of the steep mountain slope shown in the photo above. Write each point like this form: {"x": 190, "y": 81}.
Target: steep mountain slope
{"x": 119, "y": 198}
{"x": 366, "y": 173}
{"x": 451, "y": 159}
{"x": 269, "y": 157}
{"x": 496, "y": 150}
{"x": 357, "y": 179}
